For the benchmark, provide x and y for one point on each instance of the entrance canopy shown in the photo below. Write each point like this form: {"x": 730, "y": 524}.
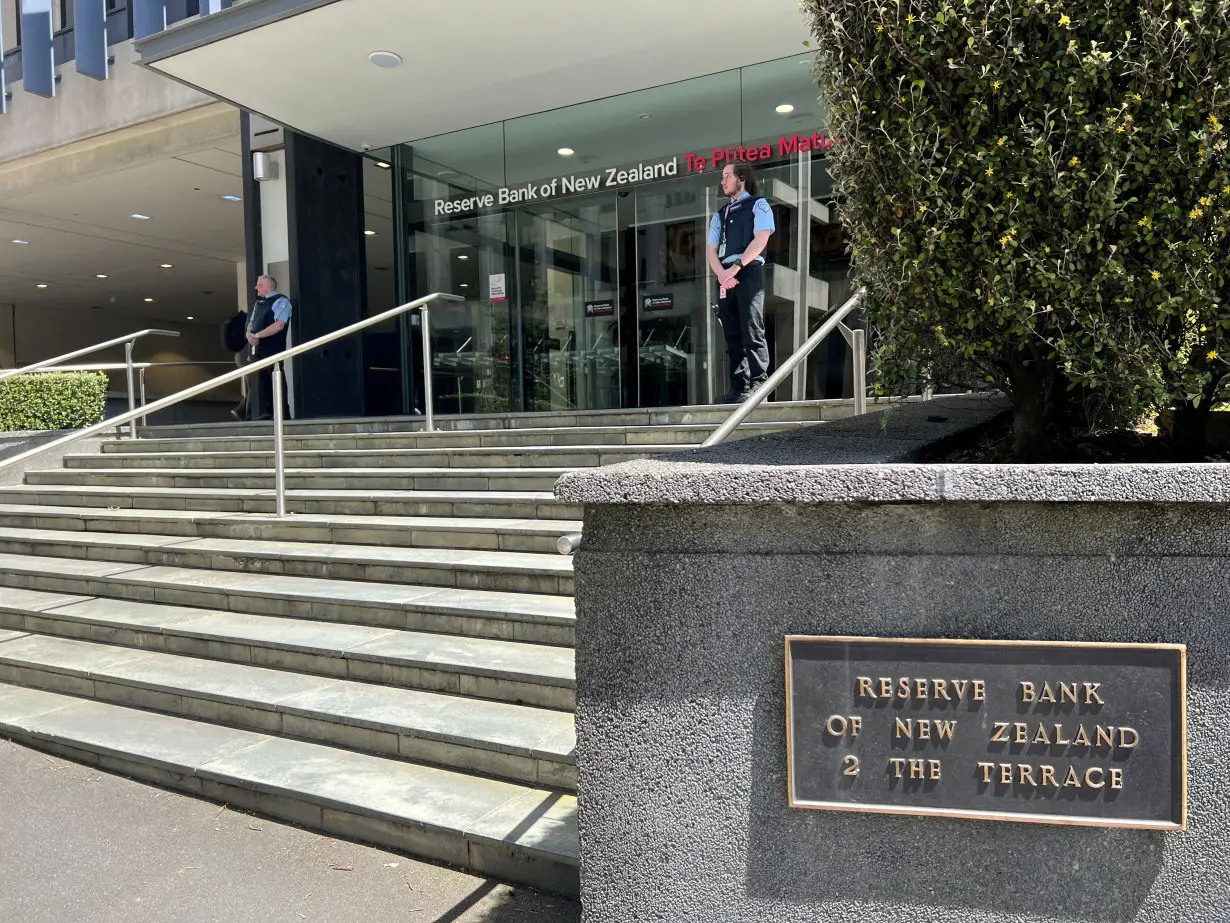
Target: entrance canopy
{"x": 371, "y": 73}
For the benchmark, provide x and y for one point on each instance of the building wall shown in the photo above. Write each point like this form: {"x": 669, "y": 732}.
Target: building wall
{"x": 85, "y": 107}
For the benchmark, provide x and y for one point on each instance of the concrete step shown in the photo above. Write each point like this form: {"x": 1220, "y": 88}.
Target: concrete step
{"x": 527, "y": 617}
{"x": 361, "y": 479}
{"x": 528, "y": 535}
{"x": 517, "y": 742}
{"x": 524, "y": 674}
{"x": 206, "y": 439}
{"x": 521, "y": 504}
{"x": 709, "y": 415}
{"x": 508, "y": 571}
{"x": 520, "y": 833}
{"x": 557, "y": 457}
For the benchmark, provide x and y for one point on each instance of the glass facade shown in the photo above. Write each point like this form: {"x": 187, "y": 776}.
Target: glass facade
{"x": 578, "y": 239}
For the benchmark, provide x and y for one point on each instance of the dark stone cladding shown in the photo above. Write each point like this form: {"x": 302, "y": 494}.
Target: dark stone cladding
{"x": 685, "y": 591}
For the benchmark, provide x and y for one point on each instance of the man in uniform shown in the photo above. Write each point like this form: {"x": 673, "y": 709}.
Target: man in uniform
{"x": 738, "y": 234}
{"x": 266, "y": 335}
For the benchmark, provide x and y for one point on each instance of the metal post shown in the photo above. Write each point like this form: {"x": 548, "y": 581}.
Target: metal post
{"x": 429, "y": 424}
{"x": 858, "y": 347}
{"x": 144, "y": 420}
{"x": 132, "y": 398}
{"x": 802, "y": 308}
{"x": 279, "y": 462}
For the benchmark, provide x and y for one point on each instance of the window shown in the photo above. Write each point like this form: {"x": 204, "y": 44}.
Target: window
{"x": 66, "y": 16}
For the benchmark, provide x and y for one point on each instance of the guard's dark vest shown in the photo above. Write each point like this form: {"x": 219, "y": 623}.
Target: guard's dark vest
{"x": 262, "y": 317}
{"x": 738, "y": 226}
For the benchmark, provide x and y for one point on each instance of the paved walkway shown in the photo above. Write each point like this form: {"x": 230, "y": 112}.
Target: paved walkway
{"x": 78, "y": 845}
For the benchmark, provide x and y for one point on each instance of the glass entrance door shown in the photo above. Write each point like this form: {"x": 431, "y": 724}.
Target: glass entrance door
{"x": 568, "y": 274}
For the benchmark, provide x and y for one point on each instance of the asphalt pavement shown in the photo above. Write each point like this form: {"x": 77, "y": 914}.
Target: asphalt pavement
{"x": 79, "y": 845}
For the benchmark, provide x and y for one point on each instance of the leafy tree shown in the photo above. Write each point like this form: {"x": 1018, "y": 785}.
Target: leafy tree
{"x": 1038, "y": 196}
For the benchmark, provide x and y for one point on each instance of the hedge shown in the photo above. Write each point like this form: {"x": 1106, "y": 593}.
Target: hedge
{"x": 52, "y": 400}
{"x": 1037, "y": 193}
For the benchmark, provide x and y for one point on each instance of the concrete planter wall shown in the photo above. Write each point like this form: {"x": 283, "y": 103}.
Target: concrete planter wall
{"x": 693, "y": 570}
{"x": 15, "y": 443}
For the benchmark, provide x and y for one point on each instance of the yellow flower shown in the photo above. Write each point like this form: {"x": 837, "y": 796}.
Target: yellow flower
{"x": 1001, "y": 142}
{"x": 1064, "y": 20}
{"x": 1046, "y": 249}
{"x": 1121, "y": 129}
{"x": 1156, "y": 275}
{"x": 1009, "y": 195}
{"x": 1225, "y": 190}
{"x": 1214, "y": 124}
{"x": 1137, "y": 97}
{"x": 995, "y": 84}
{"x": 1196, "y": 213}
{"x": 1212, "y": 354}
{"x": 1074, "y": 161}
{"x": 910, "y": 19}
{"x": 1005, "y": 240}
{"x": 922, "y": 208}
{"x": 990, "y": 171}
{"x": 1205, "y": 200}
{"x": 1143, "y": 222}
{"x": 879, "y": 28}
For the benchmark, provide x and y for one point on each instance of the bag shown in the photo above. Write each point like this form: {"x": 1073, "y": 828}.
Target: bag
{"x": 234, "y": 332}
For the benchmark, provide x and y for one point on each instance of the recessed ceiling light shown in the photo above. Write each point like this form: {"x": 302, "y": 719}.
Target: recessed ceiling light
{"x": 190, "y": 317}
{"x": 465, "y": 284}
{"x": 148, "y": 300}
{"x": 384, "y": 58}
{"x": 382, "y": 165}
{"x": 370, "y": 233}
{"x": 231, "y": 198}
{"x": 784, "y": 109}
{"x": 565, "y": 152}
{"x": 20, "y": 241}
{"x": 139, "y": 217}
{"x": 101, "y": 275}
{"x": 41, "y": 285}
{"x": 645, "y": 115}
{"x": 168, "y": 265}
{"x": 462, "y": 256}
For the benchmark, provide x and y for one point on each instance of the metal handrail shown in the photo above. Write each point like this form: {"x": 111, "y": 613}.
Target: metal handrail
{"x": 46, "y": 363}
{"x": 858, "y": 343}
{"x": 272, "y": 362}
{"x": 49, "y": 365}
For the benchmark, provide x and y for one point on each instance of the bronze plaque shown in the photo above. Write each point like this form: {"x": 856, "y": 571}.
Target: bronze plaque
{"x": 1042, "y": 732}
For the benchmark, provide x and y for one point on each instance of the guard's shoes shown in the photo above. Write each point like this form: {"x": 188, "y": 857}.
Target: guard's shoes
{"x": 734, "y": 397}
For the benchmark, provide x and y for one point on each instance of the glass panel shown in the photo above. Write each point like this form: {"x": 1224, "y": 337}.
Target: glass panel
{"x": 382, "y": 352}
{"x": 674, "y": 292}
{"x": 569, "y": 274}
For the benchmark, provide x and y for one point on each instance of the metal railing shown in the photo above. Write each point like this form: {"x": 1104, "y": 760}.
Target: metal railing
{"x": 273, "y": 362}
{"x": 858, "y": 345}
{"x": 49, "y": 365}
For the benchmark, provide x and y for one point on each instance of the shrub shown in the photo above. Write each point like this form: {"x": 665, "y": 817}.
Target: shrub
{"x": 1037, "y": 196}
{"x": 52, "y": 400}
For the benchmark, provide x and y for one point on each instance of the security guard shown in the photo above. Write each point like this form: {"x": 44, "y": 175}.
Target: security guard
{"x": 266, "y": 335}
{"x": 738, "y": 235}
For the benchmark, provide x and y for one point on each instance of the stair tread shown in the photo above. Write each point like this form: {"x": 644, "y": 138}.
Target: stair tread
{"x": 539, "y": 821}
{"x": 428, "y": 523}
{"x": 494, "y": 561}
{"x": 646, "y": 448}
{"x": 523, "y": 606}
{"x": 479, "y": 723}
{"x": 315, "y": 472}
{"x": 474, "y": 496}
{"x": 479, "y": 656}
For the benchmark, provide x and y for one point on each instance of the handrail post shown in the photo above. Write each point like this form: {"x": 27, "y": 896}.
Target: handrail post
{"x": 141, "y": 376}
{"x": 132, "y": 401}
{"x": 279, "y": 461}
{"x": 425, "y": 326}
{"x": 858, "y": 347}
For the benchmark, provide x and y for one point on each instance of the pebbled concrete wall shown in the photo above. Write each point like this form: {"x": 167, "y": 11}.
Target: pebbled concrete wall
{"x": 684, "y": 594}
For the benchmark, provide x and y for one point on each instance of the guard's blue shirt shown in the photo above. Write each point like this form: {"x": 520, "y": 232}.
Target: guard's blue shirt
{"x": 282, "y": 310}
{"x": 763, "y": 221}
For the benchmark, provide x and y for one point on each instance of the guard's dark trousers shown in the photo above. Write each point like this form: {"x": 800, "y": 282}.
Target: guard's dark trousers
{"x": 260, "y": 398}
{"x": 742, "y": 312}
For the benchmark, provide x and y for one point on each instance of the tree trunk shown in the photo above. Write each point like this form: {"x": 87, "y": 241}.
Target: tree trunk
{"x": 1032, "y": 385}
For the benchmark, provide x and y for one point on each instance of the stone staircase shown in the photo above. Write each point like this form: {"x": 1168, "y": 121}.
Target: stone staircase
{"x": 392, "y": 662}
